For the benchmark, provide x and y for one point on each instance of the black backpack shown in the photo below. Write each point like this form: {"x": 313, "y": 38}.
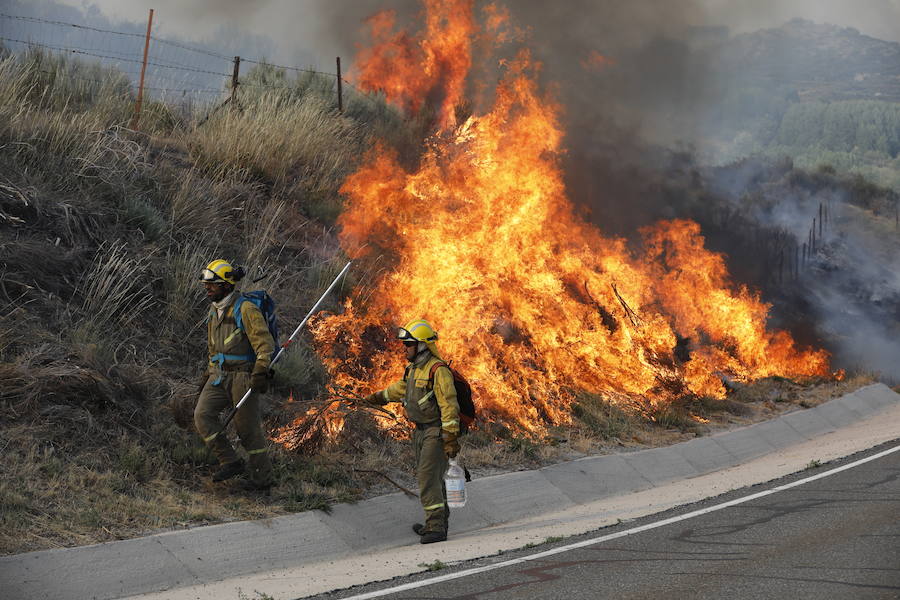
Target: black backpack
{"x": 463, "y": 396}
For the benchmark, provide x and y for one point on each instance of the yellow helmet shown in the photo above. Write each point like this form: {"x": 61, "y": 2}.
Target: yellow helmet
{"x": 221, "y": 271}
{"x": 417, "y": 331}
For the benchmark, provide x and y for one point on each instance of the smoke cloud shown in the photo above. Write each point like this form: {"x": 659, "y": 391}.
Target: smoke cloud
{"x": 328, "y": 28}
{"x": 849, "y": 289}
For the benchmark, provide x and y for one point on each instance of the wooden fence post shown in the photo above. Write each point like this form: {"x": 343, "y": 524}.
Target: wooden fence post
{"x": 234, "y": 81}
{"x": 140, "y": 96}
{"x": 820, "y": 220}
{"x": 340, "y": 89}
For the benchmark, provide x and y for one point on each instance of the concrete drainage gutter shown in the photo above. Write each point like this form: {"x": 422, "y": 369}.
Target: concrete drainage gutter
{"x": 195, "y": 557}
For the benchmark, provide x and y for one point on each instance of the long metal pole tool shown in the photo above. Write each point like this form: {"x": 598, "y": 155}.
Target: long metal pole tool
{"x": 289, "y": 341}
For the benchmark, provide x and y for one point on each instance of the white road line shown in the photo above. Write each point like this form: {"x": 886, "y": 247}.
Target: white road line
{"x": 613, "y": 536}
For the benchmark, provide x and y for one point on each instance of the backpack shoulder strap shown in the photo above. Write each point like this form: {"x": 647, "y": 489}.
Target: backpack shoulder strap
{"x": 434, "y": 369}
{"x": 238, "y": 317}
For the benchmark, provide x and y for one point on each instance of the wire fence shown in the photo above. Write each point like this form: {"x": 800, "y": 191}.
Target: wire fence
{"x": 174, "y": 70}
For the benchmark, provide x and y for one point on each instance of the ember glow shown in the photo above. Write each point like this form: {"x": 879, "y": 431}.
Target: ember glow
{"x": 532, "y": 303}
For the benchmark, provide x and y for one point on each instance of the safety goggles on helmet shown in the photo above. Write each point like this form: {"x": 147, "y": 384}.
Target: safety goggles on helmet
{"x": 220, "y": 271}
{"x": 207, "y": 276}
{"x": 417, "y": 331}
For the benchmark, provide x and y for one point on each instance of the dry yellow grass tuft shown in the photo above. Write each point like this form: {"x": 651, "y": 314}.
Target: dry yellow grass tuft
{"x": 280, "y": 139}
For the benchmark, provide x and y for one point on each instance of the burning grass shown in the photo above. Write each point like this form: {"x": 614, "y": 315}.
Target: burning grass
{"x": 534, "y": 303}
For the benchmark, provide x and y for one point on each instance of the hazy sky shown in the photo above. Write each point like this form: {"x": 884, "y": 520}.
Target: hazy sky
{"x": 314, "y": 31}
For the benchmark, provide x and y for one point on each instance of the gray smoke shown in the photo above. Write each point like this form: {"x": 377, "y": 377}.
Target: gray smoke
{"x": 329, "y": 28}
{"x": 849, "y": 287}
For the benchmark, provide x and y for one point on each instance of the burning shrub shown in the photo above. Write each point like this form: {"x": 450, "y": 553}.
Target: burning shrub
{"x": 486, "y": 245}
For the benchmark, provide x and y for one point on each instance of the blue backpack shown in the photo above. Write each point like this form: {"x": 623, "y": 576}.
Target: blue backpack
{"x": 266, "y": 306}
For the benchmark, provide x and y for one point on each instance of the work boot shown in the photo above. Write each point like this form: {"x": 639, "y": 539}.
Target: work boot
{"x": 259, "y": 471}
{"x": 433, "y": 536}
{"x": 418, "y": 528}
{"x": 228, "y": 471}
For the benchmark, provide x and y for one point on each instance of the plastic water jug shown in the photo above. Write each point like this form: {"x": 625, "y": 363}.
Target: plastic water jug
{"x": 455, "y": 480}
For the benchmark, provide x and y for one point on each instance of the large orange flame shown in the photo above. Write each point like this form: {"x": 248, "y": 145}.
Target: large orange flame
{"x": 532, "y": 303}
{"x": 433, "y": 65}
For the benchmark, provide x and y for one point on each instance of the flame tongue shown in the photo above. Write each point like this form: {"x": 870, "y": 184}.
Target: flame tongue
{"x": 432, "y": 65}
{"x": 532, "y": 302}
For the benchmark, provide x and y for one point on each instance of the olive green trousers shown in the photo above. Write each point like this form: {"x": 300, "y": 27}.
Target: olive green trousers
{"x": 216, "y": 398}
{"x": 431, "y": 465}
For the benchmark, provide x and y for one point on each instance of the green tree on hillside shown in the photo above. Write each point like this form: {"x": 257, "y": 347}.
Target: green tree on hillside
{"x": 847, "y": 126}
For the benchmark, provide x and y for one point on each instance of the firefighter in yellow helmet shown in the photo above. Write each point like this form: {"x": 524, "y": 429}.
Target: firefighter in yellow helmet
{"x": 429, "y": 399}
{"x": 238, "y": 360}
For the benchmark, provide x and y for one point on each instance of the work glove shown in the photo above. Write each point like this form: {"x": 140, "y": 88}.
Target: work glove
{"x": 451, "y": 443}
{"x": 376, "y": 399}
{"x": 259, "y": 382}
{"x": 201, "y": 382}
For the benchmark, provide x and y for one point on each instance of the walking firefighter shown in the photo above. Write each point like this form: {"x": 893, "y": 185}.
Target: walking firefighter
{"x": 429, "y": 399}
{"x": 240, "y": 352}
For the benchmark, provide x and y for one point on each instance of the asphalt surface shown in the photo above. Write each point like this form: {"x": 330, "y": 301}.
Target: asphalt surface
{"x": 835, "y": 537}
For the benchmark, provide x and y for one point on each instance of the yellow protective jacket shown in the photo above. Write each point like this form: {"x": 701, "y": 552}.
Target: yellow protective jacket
{"x": 426, "y": 402}
{"x": 231, "y": 349}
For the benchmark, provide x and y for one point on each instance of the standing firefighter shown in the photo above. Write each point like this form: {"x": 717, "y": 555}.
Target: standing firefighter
{"x": 429, "y": 398}
{"x": 239, "y": 358}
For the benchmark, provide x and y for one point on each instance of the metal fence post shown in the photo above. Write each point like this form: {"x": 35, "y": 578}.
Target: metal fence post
{"x": 140, "y": 96}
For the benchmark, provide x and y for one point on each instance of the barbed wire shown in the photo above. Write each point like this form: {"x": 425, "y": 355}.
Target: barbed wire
{"x": 298, "y": 69}
{"x": 186, "y": 47}
{"x": 115, "y": 55}
{"x": 363, "y": 93}
{"x": 122, "y": 33}
{"x": 131, "y": 60}
{"x": 112, "y": 81}
{"x": 109, "y": 81}
{"x": 63, "y": 23}
{"x": 166, "y": 42}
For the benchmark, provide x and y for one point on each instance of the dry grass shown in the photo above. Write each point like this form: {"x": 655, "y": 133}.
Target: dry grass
{"x": 101, "y": 339}
{"x": 280, "y": 139}
{"x": 182, "y": 293}
{"x": 262, "y": 234}
{"x": 116, "y": 289}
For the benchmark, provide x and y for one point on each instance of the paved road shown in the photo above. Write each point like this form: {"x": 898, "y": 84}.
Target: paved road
{"x": 834, "y": 537}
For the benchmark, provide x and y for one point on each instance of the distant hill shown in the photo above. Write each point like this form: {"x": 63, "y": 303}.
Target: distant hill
{"x": 822, "y": 95}
{"x": 822, "y": 62}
